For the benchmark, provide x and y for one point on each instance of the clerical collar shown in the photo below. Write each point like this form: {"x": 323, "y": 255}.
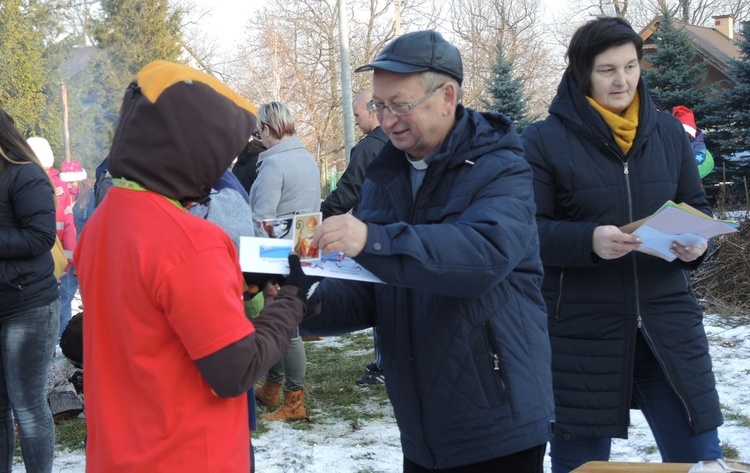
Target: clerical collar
{"x": 418, "y": 164}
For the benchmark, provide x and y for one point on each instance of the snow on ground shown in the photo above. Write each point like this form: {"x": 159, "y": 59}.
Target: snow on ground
{"x": 373, "y": 445}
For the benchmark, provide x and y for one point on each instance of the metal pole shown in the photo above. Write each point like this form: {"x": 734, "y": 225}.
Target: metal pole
{"x": 66, "y": 133}
{"x": 346, "y": 81}
{"x": 397, "y": 16}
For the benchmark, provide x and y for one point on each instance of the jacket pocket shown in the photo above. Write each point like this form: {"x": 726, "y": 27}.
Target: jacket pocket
{"x": 9, "y": 275}
{"x": 490, "y": 368}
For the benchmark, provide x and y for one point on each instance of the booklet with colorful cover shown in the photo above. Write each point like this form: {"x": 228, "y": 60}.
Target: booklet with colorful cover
{"x": 269, "y": 255}
{"x": 676, "y": 222}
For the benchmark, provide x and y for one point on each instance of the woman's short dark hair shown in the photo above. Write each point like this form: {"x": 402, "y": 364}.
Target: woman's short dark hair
{"x": 593, "y": 38}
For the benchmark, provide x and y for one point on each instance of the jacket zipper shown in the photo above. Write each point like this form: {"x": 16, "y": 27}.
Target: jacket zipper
{"x": 497, "y": 367}
{"x": 629, "y": 200}
{"x": 559, "y": 294}
{"x": 414, "y": 367}
{"x": 639, "y": 319}
{"x": 666, "y": 374}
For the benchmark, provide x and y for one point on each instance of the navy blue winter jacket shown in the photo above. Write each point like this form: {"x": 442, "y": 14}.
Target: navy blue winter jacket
{"x": 461, "y": 319}
{"x": 583, "y": 180}
{"x": 27, "y": 234}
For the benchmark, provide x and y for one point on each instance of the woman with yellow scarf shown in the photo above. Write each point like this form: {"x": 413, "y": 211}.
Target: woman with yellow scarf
{"x": 625, "y": 327}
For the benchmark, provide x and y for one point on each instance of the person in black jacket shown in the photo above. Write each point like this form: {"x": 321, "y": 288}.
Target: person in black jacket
{"x": 625, "y": 326}
{"x": 346, "y": 195}
{"x": 246, "y": 167}
{"x": 29, "y": 301}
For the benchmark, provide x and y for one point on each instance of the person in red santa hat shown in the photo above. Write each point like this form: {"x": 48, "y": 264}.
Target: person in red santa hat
{"x": 66, "y": 230}
{"x": 703, "y": 157}
{"x": 73, "y": 174}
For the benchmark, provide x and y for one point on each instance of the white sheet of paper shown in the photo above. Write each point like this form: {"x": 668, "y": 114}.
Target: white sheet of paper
{"x": 658, "y": 244}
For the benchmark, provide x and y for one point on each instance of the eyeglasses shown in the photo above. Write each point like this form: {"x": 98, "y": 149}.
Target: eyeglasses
{"x": 401, "y": 108}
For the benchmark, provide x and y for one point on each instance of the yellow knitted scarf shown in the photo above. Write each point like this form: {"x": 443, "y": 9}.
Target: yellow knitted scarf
{"x": 623, "y": 126}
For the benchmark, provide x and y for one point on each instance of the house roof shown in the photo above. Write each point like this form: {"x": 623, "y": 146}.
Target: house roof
{"x": 711, "y": 45}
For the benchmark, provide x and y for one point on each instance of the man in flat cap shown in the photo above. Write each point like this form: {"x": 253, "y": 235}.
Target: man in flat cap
{"x": 446, "y": 220}
{"x": 169, "y": 352}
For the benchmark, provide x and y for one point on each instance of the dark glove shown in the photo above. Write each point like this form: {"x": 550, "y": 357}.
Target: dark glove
{"x": 299, "y": 279}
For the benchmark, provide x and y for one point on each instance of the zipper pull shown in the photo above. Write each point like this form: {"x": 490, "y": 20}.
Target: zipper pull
{"x": 625, "y": 163}
{"x": 495, "y": 362}
{"x": 640, "y": 322}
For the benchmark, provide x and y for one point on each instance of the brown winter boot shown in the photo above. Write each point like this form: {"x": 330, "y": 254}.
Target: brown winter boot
{"x": 268, "y": 393}
{"x": 293, "y": 408}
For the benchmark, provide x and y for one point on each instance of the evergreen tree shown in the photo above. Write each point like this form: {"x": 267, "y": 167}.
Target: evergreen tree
{"x": 22, "y": 62}
{"x": 506, "y": 92}
{"x": 128, "y": 35}
{"x": 671, "y": 73}
{"x": 136, "y": 32}
{"x": 729, "y": 133}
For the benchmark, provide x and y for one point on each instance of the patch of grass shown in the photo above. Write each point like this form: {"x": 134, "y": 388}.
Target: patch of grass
{"x": 70, "y": 434}
{"x": 730, "y": 451}
{"x": 731, "y": 415}
{"x": 330, "y": 384}
{"x": 262, "y": 427}
{"x": 650, "y": 449}
{"x": 740, "y": 420}
{"x": 331, "y": 378}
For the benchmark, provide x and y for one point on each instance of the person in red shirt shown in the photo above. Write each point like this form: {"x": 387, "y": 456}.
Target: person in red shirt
{"x": 169, "y": 352}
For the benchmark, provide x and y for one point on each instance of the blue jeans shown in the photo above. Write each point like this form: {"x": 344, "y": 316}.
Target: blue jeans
{"x": 27, "y": 340}
{"x": 68, "y": 288}
{"x": 665, "y": 416}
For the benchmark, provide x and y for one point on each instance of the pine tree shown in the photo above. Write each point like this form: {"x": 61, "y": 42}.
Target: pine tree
{"x": 506, "y": 92}
{"x": 729, "y": 133}
{"x": 671, "y": 73}
{"x": 22, "y": 62}
{"x": 136, "y": 32}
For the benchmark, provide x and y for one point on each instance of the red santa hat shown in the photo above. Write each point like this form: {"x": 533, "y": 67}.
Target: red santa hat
{"x": 42, "y": 150}
{"x": 71, "y": 171}
{"x": 686, "y": 117}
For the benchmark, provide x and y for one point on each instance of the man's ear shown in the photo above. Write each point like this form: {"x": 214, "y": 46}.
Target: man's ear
{"x": 450, "y": 98}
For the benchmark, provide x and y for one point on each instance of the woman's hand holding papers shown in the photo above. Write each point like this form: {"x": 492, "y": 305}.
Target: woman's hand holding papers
{"x": 609, "y": 242}
{"x": 688, "y": 253}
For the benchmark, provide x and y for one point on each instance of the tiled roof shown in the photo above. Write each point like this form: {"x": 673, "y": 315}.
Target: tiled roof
{"x": 711, "y": 45}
